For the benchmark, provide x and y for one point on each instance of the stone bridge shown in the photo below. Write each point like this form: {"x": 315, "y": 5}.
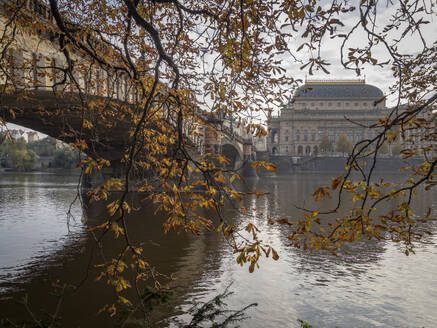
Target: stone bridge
{"x": 61, "y": 116}
{"x": 35, "y": 93}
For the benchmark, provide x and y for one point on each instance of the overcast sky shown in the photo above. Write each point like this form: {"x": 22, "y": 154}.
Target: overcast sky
{"x": 379, "y": 77}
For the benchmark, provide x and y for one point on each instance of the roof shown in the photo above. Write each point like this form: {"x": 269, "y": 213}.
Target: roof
{"x": 338, "y": 89}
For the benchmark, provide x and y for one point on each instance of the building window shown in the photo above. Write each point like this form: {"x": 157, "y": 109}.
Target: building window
{"x": 286, "y": 131}
{"x": 297, "y": 137}
{"x": 321, "y": 104}
{"x": 329, "y": 104}
{"x": 339, "y": 104}
{"x": 312, "y": 104}
{"x": 286, "y": 149}
{"x": 313, "y": 137}
{"x": 346, "y": 104}
{"x": 305, "y": 137}
{"x": 286, "y": 138}
{"x": 356, "y": 104}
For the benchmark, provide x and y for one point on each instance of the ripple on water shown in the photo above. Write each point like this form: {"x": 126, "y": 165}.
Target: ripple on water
{"x": 33, "y": 222}
{"x": 369, "y": 284}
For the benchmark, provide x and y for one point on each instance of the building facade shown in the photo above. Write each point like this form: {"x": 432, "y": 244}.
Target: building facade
{"x": 325, "y": 109}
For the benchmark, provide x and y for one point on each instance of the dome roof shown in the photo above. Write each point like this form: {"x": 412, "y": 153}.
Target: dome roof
{"x": 338, "y": 89}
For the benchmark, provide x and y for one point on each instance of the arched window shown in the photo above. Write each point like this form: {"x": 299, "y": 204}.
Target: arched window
{"x": 274, "y": 135}
{"x": 308, "y": 150}
{"x": 300, "y": 150}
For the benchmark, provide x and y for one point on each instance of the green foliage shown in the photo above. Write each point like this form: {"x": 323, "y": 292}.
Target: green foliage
{"x": 17, "y": 156}
{"x": 44, "y": 147}
{"x": 214, "y": 313}
{"x": 66, "y": 158}
{"x": 343, "y": 145}
{"x": 325, "y": 144}
{"x": 304, "y": 324}
{"x": 152, "y": 296}
{"x": 36, "y": 320}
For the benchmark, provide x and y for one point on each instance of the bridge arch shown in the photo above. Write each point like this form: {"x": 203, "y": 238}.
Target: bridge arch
{"x": 233, "y": 154}
{"x": 274, "y": 151}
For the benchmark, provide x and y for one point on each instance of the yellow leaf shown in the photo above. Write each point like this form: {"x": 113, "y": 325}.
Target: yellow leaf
{"x": 251, "y": 267}
{"x": 275, "y": 255}
{"x": 223, "y": 159}
{"x": 336, "y": 182}
{"x": 270, "y": 167}
{"x": 220, "y": 227}
{"x": 88, "y": 169}
{"x": 117, "y": 229}
{"x": 101, "y": 226}
{"x": 124, "y": 300}
{"x": 220, "y": 178}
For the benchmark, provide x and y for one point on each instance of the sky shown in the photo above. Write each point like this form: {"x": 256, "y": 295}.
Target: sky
{"x": 379, "y": 77}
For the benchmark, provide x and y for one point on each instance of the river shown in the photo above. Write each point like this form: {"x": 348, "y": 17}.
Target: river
{"x": 373, "y": 284}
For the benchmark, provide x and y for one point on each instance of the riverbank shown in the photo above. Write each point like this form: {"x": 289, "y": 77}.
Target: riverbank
{"x": 331, "y": 164}
{"x": 73, "y": 171}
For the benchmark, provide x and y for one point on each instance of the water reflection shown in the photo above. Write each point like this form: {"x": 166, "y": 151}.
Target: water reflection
{"x": 33, "y": 221}
{"x": 371, "y": 285}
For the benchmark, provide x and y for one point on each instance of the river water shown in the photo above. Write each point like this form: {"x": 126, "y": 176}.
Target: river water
{"x": 371, "y": 284}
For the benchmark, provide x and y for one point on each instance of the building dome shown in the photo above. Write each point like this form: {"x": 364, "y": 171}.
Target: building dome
{"x": 338, "y": 89}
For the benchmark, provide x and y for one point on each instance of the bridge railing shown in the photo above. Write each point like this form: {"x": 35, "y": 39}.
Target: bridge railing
{"x": 35, "y": 62}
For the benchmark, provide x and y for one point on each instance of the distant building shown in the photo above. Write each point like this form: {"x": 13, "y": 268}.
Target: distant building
{"x": 17, "y": 134}
{"x": 319, "y": 109}
{"x": 32, "y": 136}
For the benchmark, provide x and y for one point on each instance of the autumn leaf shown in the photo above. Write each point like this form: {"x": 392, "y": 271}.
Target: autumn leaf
{"x": 336, "y": 182}
{"x": 270, "y": 167}
{"x": 275, "y": 255}
{"x": 252, "y": 267}
{"x": 321, "y": 193}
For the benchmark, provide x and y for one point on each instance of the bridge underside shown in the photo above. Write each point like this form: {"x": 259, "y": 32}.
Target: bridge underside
{"x": 233, "y": 155}
{"x": 103, "y": 124}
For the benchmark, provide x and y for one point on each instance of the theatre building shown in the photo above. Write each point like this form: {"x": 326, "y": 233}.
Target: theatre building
{"x": 325, "y": 108}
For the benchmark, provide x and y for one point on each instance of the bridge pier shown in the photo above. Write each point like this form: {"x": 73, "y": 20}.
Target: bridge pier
{"x": 96, "y": 178}
{"x": 247, "y": 170}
